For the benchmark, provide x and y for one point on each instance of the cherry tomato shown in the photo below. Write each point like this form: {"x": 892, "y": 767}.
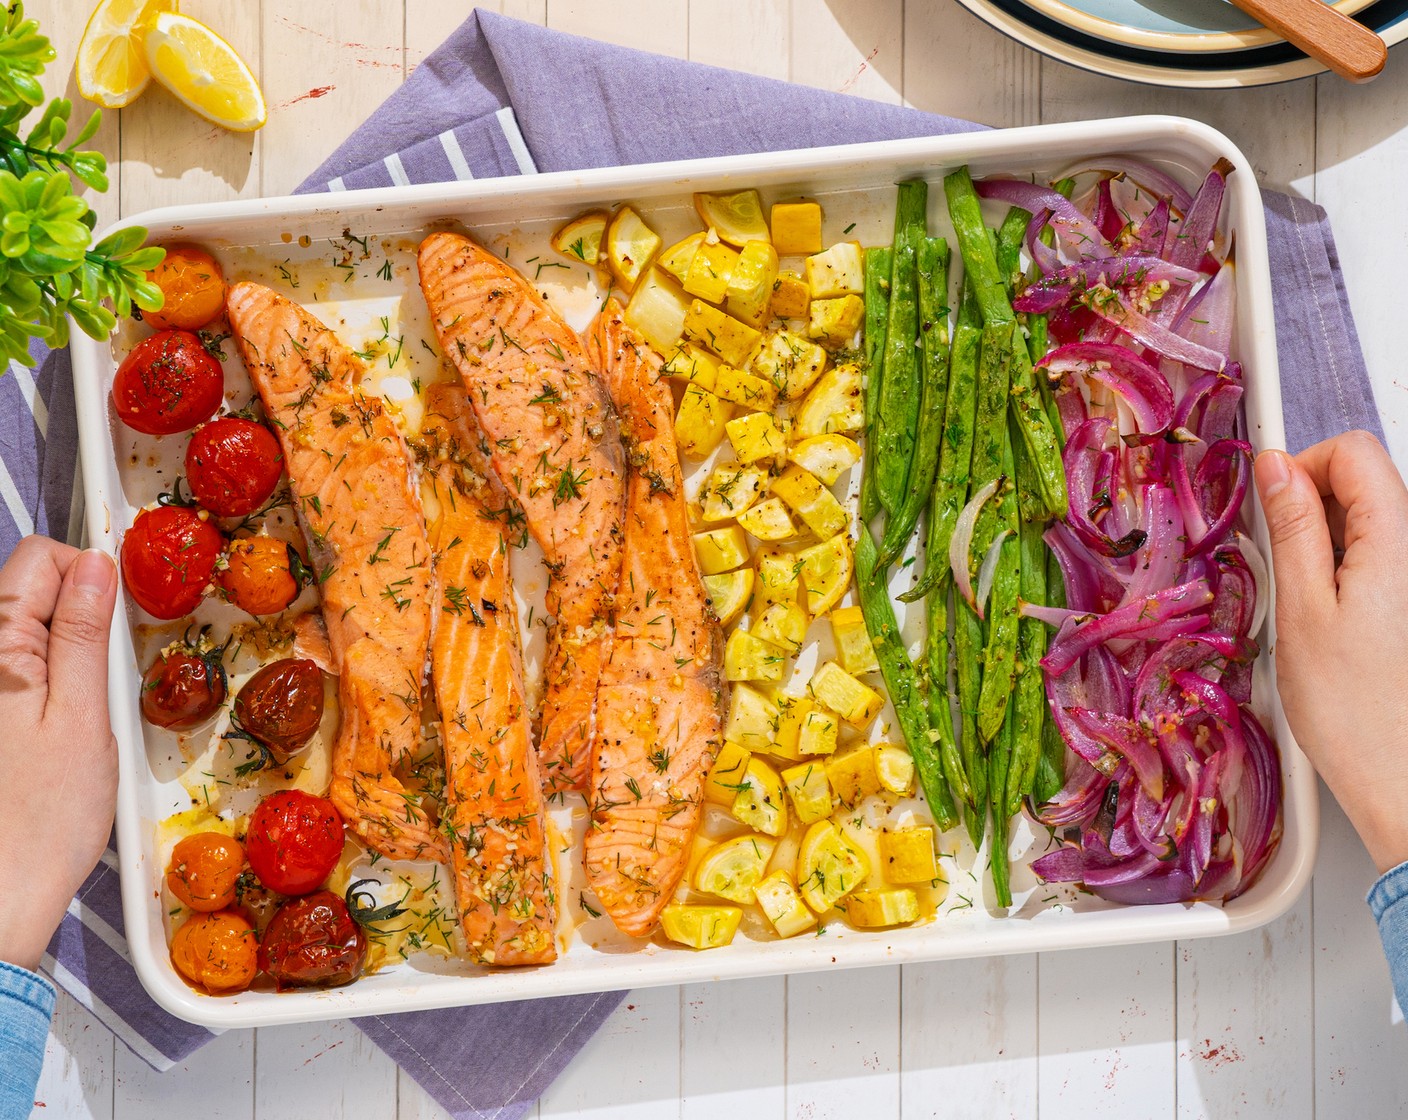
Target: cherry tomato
{"x": 193, "y": 286}
{"x": 294, "y": 841}
{"x": 233, "y": 465}
{"x": 313, "y": 941}
{"x": 183, "y": 688}
{"x": 216, "y": 952}
{"x": 205, "y": 870}
{"x": 168, "y": 558}
{"x": 258, "y": 575}
{"x": 167, "y": 384}
{"x": 282, "y": 704}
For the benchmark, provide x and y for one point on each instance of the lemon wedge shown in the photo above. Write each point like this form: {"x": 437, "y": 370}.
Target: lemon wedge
{"x": 111, "y": 68}
{"x": 204, "y": 72}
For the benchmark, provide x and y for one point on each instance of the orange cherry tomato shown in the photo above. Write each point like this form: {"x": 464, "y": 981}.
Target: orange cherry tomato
{"x": 194, "y": 288}
{"x": 258, "y": 576}
{"x": 217, "y": 953}
{"x": 205, "y": 871}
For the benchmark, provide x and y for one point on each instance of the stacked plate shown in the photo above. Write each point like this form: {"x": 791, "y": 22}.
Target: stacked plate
{"x": 1194, "y": 43}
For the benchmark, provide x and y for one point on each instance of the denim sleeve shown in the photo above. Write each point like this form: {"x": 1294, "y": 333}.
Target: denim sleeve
{"x": 1388, "y": 900}
{"x": 26, "y": 1005}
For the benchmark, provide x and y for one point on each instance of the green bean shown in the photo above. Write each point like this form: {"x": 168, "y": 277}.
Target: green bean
{"x": 999, "y": 762}
{"x": 980, "y": 259}
{"x": 990, "y": 425}
{"x": 1000, "y": 656}
{"x": 936, "y": 653}
{"x": 968, "y": 647}
{"x": 877, "y": 304}
{"x": 897, "y": 417}
{"x": 901, "y": 680}
{"x": 1010, "y": 236}
{"x": 1030, "y": 707}
{"x": 934, "y": 348}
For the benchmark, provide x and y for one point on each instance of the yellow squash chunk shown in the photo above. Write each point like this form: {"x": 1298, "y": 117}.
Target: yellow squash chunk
{"x": 827, "y": 457}
{"x": 819, "y": 731}
{"x": 791, "y": 298}
{"x": 779, "y": 578}
{"x": 744, "y": 389}
{"x": 754, "y": 436}
{"x": 580, "y": 239}
{"x": 839, "y": 271}
{"x": 700, "y": 927}
{"x": 835, "y": 322}
{"x": 835, "y": 404}
{"x": 727, "y": 775}
{"x": 710, "y": 271}
{"x": 730, "y": 339}
{"x": 693, "y": 363}
{"x": 796, "y": 227}
{"x": 852, "y": 774}
{"x": 657, "y": 309}
{"x": 630, "y": 246}
{"x": 810, "y": 791}
{"x": 829, "y": 866}
{"x": 790, "y": 362}
{"x": 826, "y": 570}
{"x": 736, "y": 217}
{"x": 769, "y": 521}
{"x": 730, "y": 490}
{"x": 720, "y": 550}
{"x": 791, "y": 714}
{"x": 907, "y": 855}
{"x": 782, "y": 905}
{"x": 877, "y": 909}
{"x": 854, "y": 648}
{"x": 751, "y": 719}
{"x": 856, "y": 703}
{"x": 760, "y": 803}
{"x": 750, "y": 287}
{"x": 894, "y": 766}
{"x": 814, "y": 503}
{"x": 677, "y": 258}
{"x": 784, "y": 625}
{"x": 729, "y": 593}
{"x": 749, "y": 658}
{"x": 733, "y": 869}
{"x": 699, "y": 425}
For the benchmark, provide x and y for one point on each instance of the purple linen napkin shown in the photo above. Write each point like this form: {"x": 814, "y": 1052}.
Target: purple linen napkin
{"x": 501, "y": 97}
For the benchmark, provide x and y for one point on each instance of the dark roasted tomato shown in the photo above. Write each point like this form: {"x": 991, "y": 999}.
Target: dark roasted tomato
{"x": 313, "y": 941}
{"x": 233, "y": 465}
{"x": 167, "y": 384}
{"x": 294, "y": 841}
{"x": 183, "y": 688}
{"x": 205, "y": 870}
{"x": 282, "y": 704}
{"x": 258, "y": 575}
{"x": 168, "y": 559}
{"x": 193, "y": 285}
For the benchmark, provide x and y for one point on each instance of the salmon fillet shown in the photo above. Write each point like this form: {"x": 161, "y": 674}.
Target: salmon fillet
{"x": 555, "y": 447}
{"x": 659, "y": 703}
{"x": 361, "y": 513}
{"x": 493, "y": 786}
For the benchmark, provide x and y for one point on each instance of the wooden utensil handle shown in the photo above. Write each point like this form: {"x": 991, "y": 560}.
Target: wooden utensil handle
{"x": 1348, "y": 48}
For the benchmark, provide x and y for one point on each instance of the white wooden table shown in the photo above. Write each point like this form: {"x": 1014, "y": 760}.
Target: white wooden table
{"x": 1295, "y": 1020}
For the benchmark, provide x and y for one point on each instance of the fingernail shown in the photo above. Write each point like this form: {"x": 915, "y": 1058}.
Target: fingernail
{"x": 94, "y": 571}
{"x": 1273, "y": 473}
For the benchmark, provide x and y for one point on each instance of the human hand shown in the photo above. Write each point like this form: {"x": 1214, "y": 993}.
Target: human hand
{"x": 1342, "y": 632}
{"x": 58, "y": 757}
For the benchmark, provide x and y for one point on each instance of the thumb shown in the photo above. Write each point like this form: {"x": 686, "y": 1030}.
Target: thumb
{"x": 78, "y": 636}
{"x": 1302, "y": 553}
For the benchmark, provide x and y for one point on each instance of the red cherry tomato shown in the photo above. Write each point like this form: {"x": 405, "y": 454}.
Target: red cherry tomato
{"x": 282, "y": 705}
{"x": 294, "y": 841}
{"x": 168, "y": 558}
{"x": 183, "y": 689}
{"x": 167, "y": 384}
{"x": 233, "y": 465}
{"x": 313, "y": 941}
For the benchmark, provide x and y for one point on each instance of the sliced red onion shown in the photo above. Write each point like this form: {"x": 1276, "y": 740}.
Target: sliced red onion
{"x": 1128, "y": 621}
{"x": 1133, "y": 204}
{"x": 1256, "y": 563}
{"x": 1065, "y": 865}
{"x": 1128, "y": 270}
{"x": 1082, "y": 459}
{"x": 961, "y": 543}
{"x": 1143, "y": 388}
{"x": 1066, "y": 220}
{"x": 1191, "y": 243}
{"x": 1107, "y": 220}
{"x": 1156, "y": 181}
{"x": 1207, "y": 317}
{"x": 1115, "y": 308}
{"x": 1149, "y": 237}
{"x": 1046, "y": 258}
{"x": 1130, "y": 741}
{"x": 1211, "y": 477}
{"x": 988, "y": 572}
{"x": 1254, "y": 805}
